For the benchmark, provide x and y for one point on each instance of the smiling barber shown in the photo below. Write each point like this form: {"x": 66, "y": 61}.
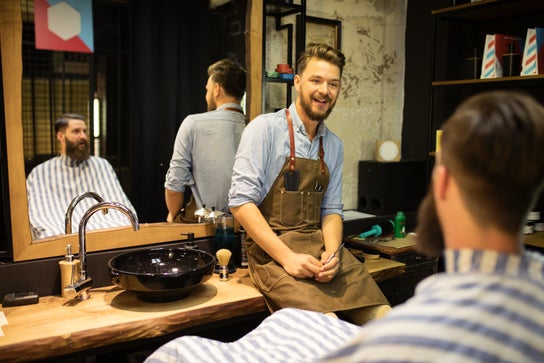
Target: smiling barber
{"x": 287, "y": 193}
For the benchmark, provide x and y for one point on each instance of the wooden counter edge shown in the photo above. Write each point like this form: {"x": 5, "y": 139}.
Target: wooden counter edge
{"x": 126, "y": 332}
{"x": 536, "y": 239}
{"x": 59, "y": 345}
{"x": 384, "y": 269}
{"x": 371, "y": 245}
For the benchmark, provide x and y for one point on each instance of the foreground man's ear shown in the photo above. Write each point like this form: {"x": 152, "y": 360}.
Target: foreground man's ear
{"x": 441, "y": 178}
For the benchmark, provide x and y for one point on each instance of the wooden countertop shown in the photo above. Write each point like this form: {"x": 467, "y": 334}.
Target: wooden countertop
{"x": 384, "y": 245}
{"x": 536, "y": 239}
{"x": 55, "y": 327}
{"x": 407, "y": 244}
{"x": 383, "y": 269}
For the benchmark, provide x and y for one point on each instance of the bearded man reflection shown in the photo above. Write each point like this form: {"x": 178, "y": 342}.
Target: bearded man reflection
{"x": 52, "y": 185}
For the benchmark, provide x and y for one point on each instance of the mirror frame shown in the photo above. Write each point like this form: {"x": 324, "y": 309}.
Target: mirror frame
{"x": 23, "y": 247}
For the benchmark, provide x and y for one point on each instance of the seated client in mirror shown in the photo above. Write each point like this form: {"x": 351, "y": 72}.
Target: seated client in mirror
{"x": 201, "y": 166}
{"x": 52, "y": 185}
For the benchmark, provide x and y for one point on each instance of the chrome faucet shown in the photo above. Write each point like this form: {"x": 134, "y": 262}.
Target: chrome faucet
{"x": 80, "y": 288}
{"x": 73, "y": 203}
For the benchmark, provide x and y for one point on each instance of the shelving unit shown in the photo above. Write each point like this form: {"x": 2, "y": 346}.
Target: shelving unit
{"x": 486, "y": 10}
{"x": 458, "y": 30}
{"x": 279, "y": 11}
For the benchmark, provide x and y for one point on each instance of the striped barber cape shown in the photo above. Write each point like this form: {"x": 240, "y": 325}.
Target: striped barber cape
{"x": 288, "y": 335}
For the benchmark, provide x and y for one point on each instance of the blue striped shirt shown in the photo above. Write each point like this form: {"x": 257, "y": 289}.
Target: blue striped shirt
{"x": 52, "y": 185}
{"x": 288, "y": 335}
{"x": 486, "y": 307}
{"x": 204, "y": 154}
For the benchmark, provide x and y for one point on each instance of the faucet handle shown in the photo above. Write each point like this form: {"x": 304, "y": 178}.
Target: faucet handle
{"x": 79, "y": 289}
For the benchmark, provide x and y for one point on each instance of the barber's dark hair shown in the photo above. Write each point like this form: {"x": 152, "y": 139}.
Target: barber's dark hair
{"x": 493, "y": 145}
{"x": 229, "y": 75}
{"x": 321, "y": 51}
{"x": 62, "y": 123}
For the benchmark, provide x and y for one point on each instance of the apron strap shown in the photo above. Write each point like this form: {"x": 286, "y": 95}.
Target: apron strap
{"x": 291, "y": 140}
{"x": 237, "y": 110}
{"x": 320, "y": 154}
{"x": 234, "y": 109}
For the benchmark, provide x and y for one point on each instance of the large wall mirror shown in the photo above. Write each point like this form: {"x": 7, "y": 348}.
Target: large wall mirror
{"x": 23, "y": 149}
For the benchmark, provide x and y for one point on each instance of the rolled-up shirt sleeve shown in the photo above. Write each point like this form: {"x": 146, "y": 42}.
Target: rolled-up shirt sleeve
{"x": 179, "y": 174}
{"x": 257, "y": 162}
{"x": 332, "y": 200}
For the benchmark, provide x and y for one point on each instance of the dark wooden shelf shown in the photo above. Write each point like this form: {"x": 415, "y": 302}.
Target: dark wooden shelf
{"x": 472, "y": 81}
{"x": 279, "y": 80}
{"x": 295, "y": 28}
{"x": 458, "y": 31}
{"x": 486, "y": 10}
{"x": 281, "y": 8}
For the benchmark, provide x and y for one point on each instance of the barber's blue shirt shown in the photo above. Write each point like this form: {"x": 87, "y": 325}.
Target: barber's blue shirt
{"x": 204, "y": 154}
{"x": 263, "y": 150}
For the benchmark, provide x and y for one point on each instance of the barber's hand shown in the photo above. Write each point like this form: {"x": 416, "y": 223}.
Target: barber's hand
{"x": 328, "y": 269}
{"x": 301, "y": 265}
{"x": 169, "y": 218}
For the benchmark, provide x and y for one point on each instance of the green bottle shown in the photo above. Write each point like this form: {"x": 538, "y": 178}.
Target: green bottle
{"x": 400, "y": 222}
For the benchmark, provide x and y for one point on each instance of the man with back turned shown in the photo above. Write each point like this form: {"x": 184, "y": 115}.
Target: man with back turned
{"x": 201, "y": 166}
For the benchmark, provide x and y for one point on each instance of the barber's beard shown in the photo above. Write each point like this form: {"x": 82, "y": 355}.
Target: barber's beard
{"x": 78, "y": 150}
{"x": 429, "y": 236}
{"x": 316, "y": 115}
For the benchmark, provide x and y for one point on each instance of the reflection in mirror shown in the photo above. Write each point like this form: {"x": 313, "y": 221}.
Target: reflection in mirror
{"x": 131, "y": 118}
{"x": 97, "y": 86}
{"x": 53, "y": 185}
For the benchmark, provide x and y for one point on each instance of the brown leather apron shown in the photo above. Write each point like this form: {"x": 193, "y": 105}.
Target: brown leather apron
{"x": 295, "y": 217}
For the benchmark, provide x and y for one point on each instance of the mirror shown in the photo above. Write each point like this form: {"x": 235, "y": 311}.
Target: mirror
{"x": 23, "y": 247}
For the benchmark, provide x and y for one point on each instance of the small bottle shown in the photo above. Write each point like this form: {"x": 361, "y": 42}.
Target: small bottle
{"x": 225, "y": 239}
{"x": 400, "y": 223}
{"x": 218, "y": 234}
{"x": 243, "y": 248}
{"x": 69, "y": 269}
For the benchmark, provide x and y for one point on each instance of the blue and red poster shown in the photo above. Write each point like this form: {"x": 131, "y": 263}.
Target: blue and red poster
{"x": 65, "y": 25}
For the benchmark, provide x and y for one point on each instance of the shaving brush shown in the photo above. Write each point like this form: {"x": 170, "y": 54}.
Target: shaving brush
{"x": 223, "y": 258}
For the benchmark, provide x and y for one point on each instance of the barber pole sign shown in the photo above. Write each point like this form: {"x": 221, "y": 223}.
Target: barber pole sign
{"x": 65, "y": 25}
{"x": 496, "y": 45}
{"x": 533, "y": 61}
{"x": 491, "y": 67}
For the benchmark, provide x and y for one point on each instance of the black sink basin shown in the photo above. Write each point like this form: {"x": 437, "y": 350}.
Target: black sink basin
{"x": 161, "y": 274}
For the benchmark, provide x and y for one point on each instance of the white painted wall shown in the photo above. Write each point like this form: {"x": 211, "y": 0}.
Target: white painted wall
{"x": 370, "y": 105}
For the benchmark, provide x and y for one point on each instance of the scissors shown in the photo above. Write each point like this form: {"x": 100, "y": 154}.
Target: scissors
{"x": 334, "y": 254}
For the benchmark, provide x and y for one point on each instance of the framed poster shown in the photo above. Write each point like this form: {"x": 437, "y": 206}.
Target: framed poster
{"x": 328, "y": 31}
{"x": 64, "y": 25}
